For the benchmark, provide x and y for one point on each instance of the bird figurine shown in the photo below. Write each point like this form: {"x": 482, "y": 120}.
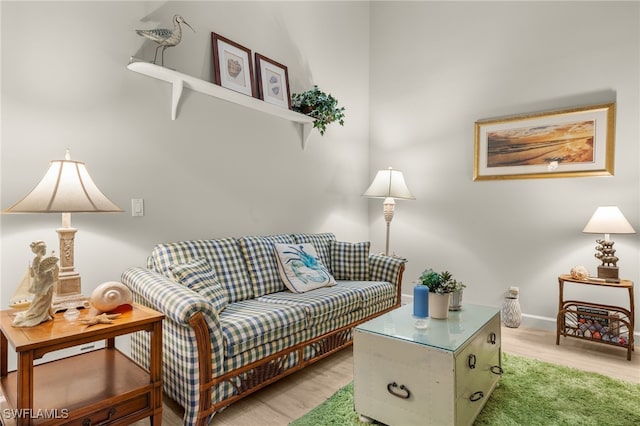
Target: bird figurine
{"x": 165, "y": 37}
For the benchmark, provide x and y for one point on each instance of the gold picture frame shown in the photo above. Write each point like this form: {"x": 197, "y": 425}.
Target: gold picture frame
{"x": 574, "y": 142}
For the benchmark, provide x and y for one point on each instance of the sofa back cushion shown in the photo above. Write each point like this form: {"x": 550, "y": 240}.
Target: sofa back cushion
{"x": 350, "y": 261}
{"x": 223, "y": 255}
{"x": 321, "y": 243}
{"x": 260, "y": 258}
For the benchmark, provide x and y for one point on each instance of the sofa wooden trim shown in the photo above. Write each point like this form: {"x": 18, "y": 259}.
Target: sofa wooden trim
{"x": 265, "y": 371}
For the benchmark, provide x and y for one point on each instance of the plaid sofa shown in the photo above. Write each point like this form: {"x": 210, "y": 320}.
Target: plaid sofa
{"x": 213, "y": 357}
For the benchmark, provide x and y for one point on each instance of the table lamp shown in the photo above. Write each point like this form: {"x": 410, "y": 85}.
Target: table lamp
{"x": 608, "y": 220}
{"x": 389, "y": 184}
{"x": 66, "y": 188}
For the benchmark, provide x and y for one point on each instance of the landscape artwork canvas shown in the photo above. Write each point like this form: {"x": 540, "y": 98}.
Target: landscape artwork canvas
{"x": 565, "y": 143}
{"x": 562, "y": 143}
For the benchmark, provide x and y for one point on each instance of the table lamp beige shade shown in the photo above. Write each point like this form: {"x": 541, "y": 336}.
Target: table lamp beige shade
{"x": 389, "y": 184}
{"x": 608, "y": 220}
{"x": 66, "y": 188}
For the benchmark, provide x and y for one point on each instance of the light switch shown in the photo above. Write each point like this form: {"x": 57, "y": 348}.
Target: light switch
{"x": 137, "y": 207}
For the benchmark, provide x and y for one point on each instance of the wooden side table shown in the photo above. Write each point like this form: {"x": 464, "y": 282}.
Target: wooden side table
{"x": 98, "y": 387}
{"x": 596, "y": 322}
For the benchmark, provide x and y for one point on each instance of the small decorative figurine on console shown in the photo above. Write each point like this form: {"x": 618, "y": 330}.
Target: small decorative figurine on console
{"x": 44, "y": 274}
{"x": 606, "y": 253}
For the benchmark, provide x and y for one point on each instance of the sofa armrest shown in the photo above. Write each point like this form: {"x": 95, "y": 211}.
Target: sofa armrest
{"x": 192, "y": 339}
{"x": 179, "y": 303}
{"x": 386, "y": 268}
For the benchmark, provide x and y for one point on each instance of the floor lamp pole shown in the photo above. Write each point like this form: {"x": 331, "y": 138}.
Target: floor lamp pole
{"x": 389, "y": 207}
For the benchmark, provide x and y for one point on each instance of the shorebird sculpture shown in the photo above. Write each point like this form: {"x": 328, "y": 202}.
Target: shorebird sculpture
{"x": 165, "y": 37}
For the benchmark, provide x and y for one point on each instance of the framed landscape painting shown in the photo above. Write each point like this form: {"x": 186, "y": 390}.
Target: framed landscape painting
{"x": 232, "y": 65}
{"x": 564, "y": 143}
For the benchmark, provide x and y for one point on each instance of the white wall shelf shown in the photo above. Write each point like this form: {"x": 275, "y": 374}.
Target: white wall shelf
{"x": 179, "y": 80}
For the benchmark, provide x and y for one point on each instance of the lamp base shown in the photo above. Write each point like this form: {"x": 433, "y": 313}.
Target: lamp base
{"x": 68, "y": 294}
{"x": 608, "y": 272}
{"x": 60, "y": 303}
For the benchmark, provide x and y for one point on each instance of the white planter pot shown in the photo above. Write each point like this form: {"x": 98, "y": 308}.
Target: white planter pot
{"x": 439, "y": 305}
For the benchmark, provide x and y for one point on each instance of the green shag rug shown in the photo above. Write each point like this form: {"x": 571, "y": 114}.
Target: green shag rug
{"x": 530, "y": 393}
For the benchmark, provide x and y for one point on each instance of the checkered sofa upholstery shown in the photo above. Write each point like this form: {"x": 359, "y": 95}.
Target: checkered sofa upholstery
{"x": 265, "y": 330}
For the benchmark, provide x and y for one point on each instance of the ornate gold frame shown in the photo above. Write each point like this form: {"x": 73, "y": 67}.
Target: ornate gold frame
{"x": 511, "y": 134}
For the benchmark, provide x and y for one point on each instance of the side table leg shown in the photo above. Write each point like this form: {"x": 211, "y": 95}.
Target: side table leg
{"x": 4, "y": 344}
{"x": 155, "y": 372}
{"x": 25, "y": 384}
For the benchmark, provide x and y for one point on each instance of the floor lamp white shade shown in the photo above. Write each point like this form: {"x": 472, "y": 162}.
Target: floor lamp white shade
{"x": 66, "y": 188}
{"x": 389, "y": 184}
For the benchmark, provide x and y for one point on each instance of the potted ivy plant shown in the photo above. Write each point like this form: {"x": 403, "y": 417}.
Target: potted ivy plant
{"x": 441, "y": 286}
{"x": 319, "y": 105}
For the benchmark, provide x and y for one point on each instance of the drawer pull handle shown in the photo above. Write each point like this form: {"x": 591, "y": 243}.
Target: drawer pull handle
{"x": 496, "y": 369}
{"x": 472, "y": 361}
{"x": 112, "y": 412}
{"x": 476, "y": 396}
{"x": 492, "y": 338}
{"x": 403, "y": 393}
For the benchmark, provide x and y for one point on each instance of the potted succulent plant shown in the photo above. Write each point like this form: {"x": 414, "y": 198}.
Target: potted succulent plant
{"x": 441, "y": 286}
{"x": 319, "y": 105}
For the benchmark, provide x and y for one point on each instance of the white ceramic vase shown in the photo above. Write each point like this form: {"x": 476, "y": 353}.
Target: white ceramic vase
{"x": 511, "y": 314}
{"x": 439, "y": 305}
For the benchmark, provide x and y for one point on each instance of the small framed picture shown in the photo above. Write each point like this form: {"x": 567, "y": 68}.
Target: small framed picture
{"x": 573, "y": 142}
{"x": 232, "y": 65}
{"x": 273, "y": 82}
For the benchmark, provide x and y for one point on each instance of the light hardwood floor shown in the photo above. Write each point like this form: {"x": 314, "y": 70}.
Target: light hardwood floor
{"x": 297, "y": 394}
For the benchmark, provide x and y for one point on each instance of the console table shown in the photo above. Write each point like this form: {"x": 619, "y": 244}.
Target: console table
{"x": 99, "y": 387}
{"x": 441, "y": 375}
{"x": 596, "y": 322}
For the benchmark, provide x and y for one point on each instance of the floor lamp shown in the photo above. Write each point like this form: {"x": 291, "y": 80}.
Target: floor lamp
{"x": 66, "y": 188}
{"x": 389, "y": 184}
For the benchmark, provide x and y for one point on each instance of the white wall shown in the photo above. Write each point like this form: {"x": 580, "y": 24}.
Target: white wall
{"x": 414, "y": 77}
{"x": 218, "y": 170}
{"x": 436, "y": 68}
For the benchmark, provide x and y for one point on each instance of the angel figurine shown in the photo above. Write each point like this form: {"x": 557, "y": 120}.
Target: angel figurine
{"x": 44, "y": 274}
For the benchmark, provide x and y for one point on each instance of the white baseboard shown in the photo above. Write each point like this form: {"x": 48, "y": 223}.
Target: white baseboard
{"x": 528, "y": 320}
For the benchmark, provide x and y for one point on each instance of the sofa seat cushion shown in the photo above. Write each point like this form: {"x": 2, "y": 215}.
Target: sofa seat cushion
{"x": 251, "y": 323}
{"x": 261, "y": 262}
{"x": 371, "y": 292}
{"x": 321, "y": 304}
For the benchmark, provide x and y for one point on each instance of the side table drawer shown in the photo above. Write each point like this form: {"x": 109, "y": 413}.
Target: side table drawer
{"x": 419, "y": 375}
{"x": 116, "y": 412}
